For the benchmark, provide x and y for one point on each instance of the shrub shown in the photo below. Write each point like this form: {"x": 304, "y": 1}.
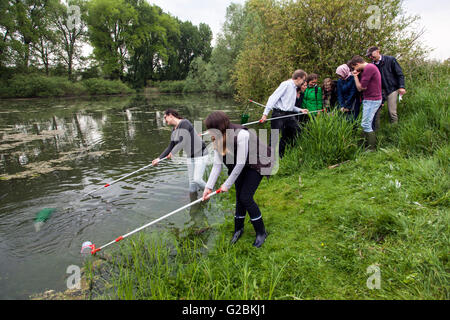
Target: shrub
{"x": 171, "y": 86}
{"x": 35, "y": 85}
{"x": 96, "y": 86}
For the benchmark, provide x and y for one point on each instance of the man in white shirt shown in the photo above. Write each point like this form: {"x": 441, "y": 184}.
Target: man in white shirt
{"x": 282, "y": 102}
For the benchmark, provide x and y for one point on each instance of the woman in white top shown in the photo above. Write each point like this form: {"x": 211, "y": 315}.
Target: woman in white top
{"x": 247, "y": 160}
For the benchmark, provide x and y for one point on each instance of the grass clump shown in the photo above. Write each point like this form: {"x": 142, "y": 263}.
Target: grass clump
{"x": 327, "y": 139}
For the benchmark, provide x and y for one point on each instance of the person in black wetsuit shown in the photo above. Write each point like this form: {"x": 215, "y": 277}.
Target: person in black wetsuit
{"x": 185, "y": 137}
{"x": 247, "y": 160}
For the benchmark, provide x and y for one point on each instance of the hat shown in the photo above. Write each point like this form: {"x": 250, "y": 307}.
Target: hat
{"x": 371, "y": 50}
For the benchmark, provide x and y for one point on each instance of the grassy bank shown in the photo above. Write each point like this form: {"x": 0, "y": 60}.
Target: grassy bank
{"x": 326, "y": 227}
{"x": 38, "y": 86}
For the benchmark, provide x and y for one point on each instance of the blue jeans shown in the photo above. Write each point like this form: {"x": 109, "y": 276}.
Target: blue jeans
{"x": 370, "y": 107}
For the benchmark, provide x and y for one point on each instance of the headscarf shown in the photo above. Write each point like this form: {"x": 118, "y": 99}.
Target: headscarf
{"x": 343, "y": 71}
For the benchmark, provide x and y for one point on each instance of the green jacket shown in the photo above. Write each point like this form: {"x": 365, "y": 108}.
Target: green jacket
{"x": 313, "y": 99}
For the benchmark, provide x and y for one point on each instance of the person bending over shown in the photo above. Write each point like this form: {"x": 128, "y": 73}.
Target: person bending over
{"x": 247, "y": 160}
{"x": 185, "y": 137}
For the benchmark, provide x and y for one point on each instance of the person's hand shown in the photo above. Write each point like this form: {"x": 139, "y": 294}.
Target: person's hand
{"x": 355, "y": 73}
{"x": 304, "y": 110}
{"x": 155, "y": 162}
{"x": 224, "y": 188}
{"x": 169, "y": 156}
{"x": 344, "y": 110}
{"x": 263, "y": 119}
{"x": 206, "y": 193}
{"x": 401, "y": 91}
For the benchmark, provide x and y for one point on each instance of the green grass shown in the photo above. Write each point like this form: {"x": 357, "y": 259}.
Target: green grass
{"x": 326, "y": 226}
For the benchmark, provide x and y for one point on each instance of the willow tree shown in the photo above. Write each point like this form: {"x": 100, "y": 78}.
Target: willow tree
{"x": 317, "y": 36}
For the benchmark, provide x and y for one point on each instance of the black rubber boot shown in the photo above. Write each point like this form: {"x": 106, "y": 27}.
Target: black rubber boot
{"x": 238, "y": 229}
{"x": 261, "y": 233}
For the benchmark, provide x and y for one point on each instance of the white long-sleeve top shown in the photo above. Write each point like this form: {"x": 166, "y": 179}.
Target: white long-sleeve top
{"x": 283, "y": 98}
{"x": 241, "y": 159}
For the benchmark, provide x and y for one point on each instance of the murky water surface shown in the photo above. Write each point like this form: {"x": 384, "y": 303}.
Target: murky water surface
{"x": 52, "y": 152}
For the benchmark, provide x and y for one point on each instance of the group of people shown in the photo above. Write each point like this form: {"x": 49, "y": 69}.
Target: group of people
{"x": 248, "y": 159}
{"x": 360, "y": 83}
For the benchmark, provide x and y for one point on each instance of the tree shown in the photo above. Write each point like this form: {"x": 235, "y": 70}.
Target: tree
{"x": 158, "y": 32}
{"x": 71, "y": 32}
{"x": 31, "y": 24}
{"x": 112, "y": 34}
{"x": 7, "y": 29}
{"x": 317, "y": 36}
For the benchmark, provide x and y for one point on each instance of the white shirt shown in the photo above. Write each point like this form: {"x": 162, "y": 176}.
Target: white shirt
{"x": 283, "y": 98}
{"x": 378, "y": 62}
{"x": 241, "y": 159}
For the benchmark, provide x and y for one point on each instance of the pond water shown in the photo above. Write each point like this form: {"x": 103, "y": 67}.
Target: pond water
{"x": 53, "y": 152}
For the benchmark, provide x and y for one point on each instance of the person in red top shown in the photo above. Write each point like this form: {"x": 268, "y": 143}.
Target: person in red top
{"x": 370, "y": 86}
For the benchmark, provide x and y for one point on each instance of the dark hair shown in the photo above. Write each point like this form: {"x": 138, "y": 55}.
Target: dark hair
{"x": 371, "y": 50}
{"x": 172, "y": 112}
{"x": 218, "y": 120}
{"x": 311, "y": 77}
{"x": 354, "y": 61}
{"x": 299, "y": 74}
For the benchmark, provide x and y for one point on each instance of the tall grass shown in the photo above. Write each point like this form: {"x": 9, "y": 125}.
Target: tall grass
{"x": 327, "y": 139}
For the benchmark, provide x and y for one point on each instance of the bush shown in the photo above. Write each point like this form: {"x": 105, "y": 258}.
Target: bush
{"x": 169, "y": 86}
{"x": 97, "y": 86}
{"x": 35, "y": 85}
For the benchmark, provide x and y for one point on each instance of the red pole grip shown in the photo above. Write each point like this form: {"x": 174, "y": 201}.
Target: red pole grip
{"x": 94, "y": 250}
{"x": 119, "y": 239}
{"x": 107, "y": 185}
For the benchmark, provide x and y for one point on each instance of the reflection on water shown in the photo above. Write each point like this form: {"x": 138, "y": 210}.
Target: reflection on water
{"x": 54, "y": 152}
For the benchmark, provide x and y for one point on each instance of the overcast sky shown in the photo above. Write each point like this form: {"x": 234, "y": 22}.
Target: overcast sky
{"x": 435, "y": 17}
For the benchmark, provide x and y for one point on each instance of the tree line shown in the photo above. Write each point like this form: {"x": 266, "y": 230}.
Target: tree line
{"x": 263, "y": 41}
{"x": 132, "y": 40}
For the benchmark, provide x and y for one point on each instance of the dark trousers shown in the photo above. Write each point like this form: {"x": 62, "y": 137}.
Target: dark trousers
{"x": 246, "y": 185}
{"x": 288, "y": 127}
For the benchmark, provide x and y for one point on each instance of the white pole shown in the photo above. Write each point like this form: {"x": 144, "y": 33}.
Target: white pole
{"x": 95, "y": 250}
{"x": 124, "y": 177}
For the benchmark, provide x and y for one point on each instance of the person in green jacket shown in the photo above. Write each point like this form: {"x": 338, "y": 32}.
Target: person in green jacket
{"x": 312, "y": 99}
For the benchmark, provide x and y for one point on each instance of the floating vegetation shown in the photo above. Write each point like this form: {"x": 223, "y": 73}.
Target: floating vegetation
{"x": 36, "y": 169}
{"x": 13, "y": 140}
